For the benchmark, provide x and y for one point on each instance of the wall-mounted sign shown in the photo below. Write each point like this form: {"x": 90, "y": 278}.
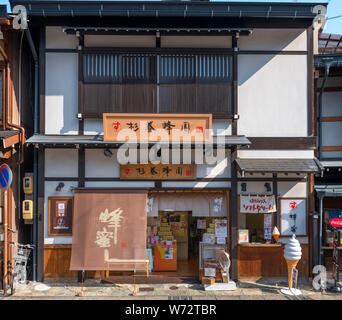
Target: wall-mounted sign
{"x": 5, "y": 177}
{"x": 60, "y": 216}
{"x": 336, "y": 222}
{"x": 158, "y": 171}
{"x": 293, "y": 216}
{"x": 156, "y": 127}
{"x": 257, "y": 204}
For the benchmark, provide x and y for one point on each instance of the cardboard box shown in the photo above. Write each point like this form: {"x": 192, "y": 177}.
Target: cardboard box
{"x": 206, "y": 280}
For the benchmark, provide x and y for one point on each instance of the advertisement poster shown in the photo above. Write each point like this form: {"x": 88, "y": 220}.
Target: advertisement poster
{"x": 268, "y": 227}
{"x": 221, "y": 228}
{"x": 221, "y": 240}
{"x": 201, "y": 224}
{"x": 60, "y": 216}
{"x": 243, "y": 236}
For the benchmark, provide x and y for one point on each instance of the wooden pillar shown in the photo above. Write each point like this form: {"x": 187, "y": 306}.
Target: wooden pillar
{"x": 40, "y": 217}
{"x": 233, "y": 222}
{"x": 275, "y": 193}
{"x": 81, "y": 184}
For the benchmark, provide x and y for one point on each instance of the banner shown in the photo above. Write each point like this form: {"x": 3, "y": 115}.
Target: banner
{"x": 109, "y": 229}
{"x": 257, "y": 204}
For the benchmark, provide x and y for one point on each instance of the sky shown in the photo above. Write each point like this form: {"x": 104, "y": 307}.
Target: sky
{"x": 333, "y": 25}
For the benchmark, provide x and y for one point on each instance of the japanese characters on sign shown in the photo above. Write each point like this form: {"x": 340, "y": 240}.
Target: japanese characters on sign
{"x": 257, "y": 204}
{"x": 156, "y": 127}
{"x": 293, "y": 216}
{"x": 158, "y": 171}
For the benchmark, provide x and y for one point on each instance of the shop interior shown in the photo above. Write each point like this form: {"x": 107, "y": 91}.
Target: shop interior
{"x": 255, "y": 228}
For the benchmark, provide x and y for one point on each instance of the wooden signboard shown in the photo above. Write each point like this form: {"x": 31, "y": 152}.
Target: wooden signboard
{"x": 156, "y": 127}
{"x": 60, "y": 216}
{"x": 158, "y": 171}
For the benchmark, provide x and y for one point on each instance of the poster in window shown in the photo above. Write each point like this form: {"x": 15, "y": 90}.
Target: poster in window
{"x": 60, "y": 216}
{"x": 293, "y": 216}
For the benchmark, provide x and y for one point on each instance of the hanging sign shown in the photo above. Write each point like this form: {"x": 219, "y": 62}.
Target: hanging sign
{"x": 156, "y": 127}
{"x": 158, "y": 171}
{"x": 257, "y": 204}
{"x": 5, "y": 177}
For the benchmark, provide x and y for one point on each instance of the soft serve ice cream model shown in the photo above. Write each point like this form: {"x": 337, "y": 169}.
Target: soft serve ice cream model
{"x": 292, "y": 254}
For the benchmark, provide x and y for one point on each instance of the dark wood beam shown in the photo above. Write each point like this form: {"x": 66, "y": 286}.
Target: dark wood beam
{"x": 282, "y": 143}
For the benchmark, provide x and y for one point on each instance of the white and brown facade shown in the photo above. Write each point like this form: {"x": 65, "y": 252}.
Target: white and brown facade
{"x": 249, "y": 66}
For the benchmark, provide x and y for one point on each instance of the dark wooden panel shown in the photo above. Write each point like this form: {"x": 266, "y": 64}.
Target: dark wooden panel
{"x": 269, "y": 261}
{"x": 213, "y": 98}
{"x": 195, "y": 98}
{"x": 282, "y": 143}
{"x": 100, "y": 98}
{"x": 137, "y": 98}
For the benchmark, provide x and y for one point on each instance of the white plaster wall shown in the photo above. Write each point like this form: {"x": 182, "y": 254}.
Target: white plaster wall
{"x": 98, "y": 165}
{"x": 274, "y": 154}
{"x": 219, "y": 126}
{"x": 195, "y": 184}
{"x": 275, "y": 39}
{"x": 119, "y": 41}
{"x": 272, "y": 95}
{"x": 119, "y": 184}
{"x": 61, "y": 101}
{"x": 254, "y": 187}
{"x": 332, "y": 133}
{"x": 332, "y": 104}
{"x": 50, "y": 191}
{"x": 55, "y": 38}
{"x": 292, "y": 189}
{"x": 196, "y": 42}
{"x": 93, "y": 126}
{"x": 222, "y": 127}
{"x": 61, "y": 163}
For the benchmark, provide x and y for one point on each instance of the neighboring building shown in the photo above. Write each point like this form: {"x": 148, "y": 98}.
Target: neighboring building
{"x": 250, "y": 66}
{"x": 16, "y": 101}
{"x": 328, "y": 85}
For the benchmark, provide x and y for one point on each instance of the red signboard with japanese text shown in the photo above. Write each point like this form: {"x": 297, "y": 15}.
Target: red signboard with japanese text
{"x": 119, "y": 127}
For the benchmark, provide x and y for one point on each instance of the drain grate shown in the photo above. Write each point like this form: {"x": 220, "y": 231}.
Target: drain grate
{"x": 146, "y": 289}
{"x": 173, "y": 288}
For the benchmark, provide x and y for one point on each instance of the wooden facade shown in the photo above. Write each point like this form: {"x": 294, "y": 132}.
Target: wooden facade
{"x": 256, "y": 261}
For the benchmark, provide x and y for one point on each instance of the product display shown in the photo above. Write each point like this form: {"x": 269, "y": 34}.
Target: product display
{"x": 292, "y": 254}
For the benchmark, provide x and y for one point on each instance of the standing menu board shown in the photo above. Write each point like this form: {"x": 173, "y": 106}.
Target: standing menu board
{"x": 60, "y": 216}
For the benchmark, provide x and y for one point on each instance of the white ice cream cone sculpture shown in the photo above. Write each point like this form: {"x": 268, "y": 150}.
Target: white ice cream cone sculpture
{"x": 292, "y": 254}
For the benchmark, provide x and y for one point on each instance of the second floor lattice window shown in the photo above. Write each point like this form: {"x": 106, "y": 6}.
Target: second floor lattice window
{"x": 151, "y": 82}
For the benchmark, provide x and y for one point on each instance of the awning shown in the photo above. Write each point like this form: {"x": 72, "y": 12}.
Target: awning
{"x": 331, "y": 164}
{"x": 71, "y": 141}
{"x": 329, "y": 190}
{"x": 279, "y": 165}
{"x": 9, "y": 138}
{"x": 223, "y": 31}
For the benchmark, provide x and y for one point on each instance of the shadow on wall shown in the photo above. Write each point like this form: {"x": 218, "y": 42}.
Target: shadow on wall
{"x": 267, "y": 40}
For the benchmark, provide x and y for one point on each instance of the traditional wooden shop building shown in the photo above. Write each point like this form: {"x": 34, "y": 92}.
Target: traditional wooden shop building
{"x": 244, "y": 70}
{"x": 328, "y": 85}
{"x": 16, "y": 100}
